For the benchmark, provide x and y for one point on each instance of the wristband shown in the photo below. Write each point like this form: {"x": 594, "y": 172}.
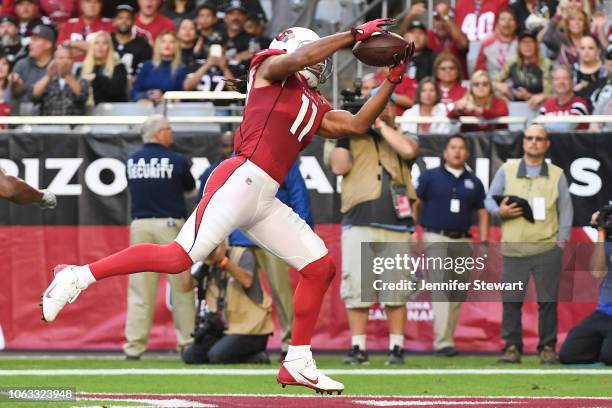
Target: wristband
{"x": 224, "y": 262}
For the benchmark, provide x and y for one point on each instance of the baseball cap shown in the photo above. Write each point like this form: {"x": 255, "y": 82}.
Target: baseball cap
{"x": 9, "y": 19}
{"x": 124, "y": 7}
{"x": 530, "y": 34}
{"x": 416, "y": 23}
{"x": 45, "y": 32}
{"x": 235, "y": 5}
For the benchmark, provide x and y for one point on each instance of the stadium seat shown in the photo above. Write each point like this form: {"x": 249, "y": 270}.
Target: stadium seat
{"x": 518, "y": 109}
{"x": 123, "y": 109}
{"x": 330, "y": 13}
{"x": 192, "y": 109}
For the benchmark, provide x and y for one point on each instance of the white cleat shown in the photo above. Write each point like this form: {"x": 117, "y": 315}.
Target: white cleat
{"x": 65, "y": 288}
{"x": 304, "y": 372}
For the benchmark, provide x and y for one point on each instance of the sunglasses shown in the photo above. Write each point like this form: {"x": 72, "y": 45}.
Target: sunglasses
{"x": 480, "y": 84}
{"x": 535, "y": 138}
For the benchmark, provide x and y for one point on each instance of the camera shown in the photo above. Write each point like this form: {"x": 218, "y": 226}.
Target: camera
{"x": 352, "y": 99}
{"x": 604, "y": 221}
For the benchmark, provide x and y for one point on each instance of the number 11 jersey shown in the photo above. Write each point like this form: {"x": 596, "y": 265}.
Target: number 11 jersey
{"x": 279, "y": 120}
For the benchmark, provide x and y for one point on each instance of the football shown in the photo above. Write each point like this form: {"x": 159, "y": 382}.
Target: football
{"x": 379, "y": 50}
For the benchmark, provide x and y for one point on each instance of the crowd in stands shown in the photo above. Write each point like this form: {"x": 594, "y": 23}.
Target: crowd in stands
{"x": 479, "y": 54}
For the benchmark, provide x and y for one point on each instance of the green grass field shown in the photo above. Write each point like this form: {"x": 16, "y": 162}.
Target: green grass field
{"x": 576, "y": 382}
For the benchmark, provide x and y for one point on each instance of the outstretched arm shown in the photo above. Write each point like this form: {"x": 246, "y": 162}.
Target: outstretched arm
{"x": 18, "y": 191}
{"x": 339, "y": 123}
{"x": 281, "y": 66}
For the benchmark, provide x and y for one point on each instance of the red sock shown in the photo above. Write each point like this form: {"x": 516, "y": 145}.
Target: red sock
{"x": 143, "y": 258}
{"x": 314, "y": 281}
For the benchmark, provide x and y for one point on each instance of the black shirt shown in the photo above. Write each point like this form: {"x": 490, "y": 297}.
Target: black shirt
{"x": 529, "y": 77}
{"x": 421, "y": 66}
{"x": 107, "y": 89}
{"x": 157, "y": 178}
{"x": 235, "y": 46}
{"x": 133, "y": 53}
{"x": 546, "y": 8}
{"x": 14, "y": 52}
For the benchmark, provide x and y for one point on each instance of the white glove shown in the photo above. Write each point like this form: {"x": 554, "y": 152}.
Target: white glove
{"x": 49, "y": 200}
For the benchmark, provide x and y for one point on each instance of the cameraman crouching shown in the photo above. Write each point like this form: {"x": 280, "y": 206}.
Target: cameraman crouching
{"x": 591, "y": 340}
{"x": 230, "y": 281}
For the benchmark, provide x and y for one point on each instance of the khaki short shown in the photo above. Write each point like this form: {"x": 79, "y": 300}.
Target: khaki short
{"x": 352, "y": 238}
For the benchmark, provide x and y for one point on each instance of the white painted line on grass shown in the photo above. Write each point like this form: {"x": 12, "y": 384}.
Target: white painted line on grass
{"x": 249, "y": 372}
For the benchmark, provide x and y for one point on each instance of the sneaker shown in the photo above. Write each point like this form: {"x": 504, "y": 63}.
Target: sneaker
{"x": 303, "y": 372}
{"x": 357, "y": 356}
{"x": 65, "y": 288}
{"x": 396, "y": 356}
{"x": 549, "y": 356}
{"x": 447, "y": 352}
{"x": 512, "y": 355}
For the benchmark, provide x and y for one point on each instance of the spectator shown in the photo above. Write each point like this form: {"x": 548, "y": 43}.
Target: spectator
{"x": 447, "y": 231}
{"x": 500, "y": 46}
{"x": 565, "y": 102}
{"x": 602, "y": 98}
{"x": 76, "y": 31}
{"x": 421, "y": 63}
{"x": 526, "y": 77}
{"x": 10, "y": 40}
{"x": 29, "y": 70}
{"x": 209, "y": 75}
{"x": 532, "y": 15}
{"x": 427, "y": 105}
{"x": 164, "y": 72}
{"x": 6, "y": 96}
{"x": 158, "y": 212}
{"x": 237, "y": 41}
{"x": 179, "y": 10}
{"x": 28, "y": 15}
{"x": 150, "y": 22}
{"x": 590, "y": 73}
{"x": 106, "y": 74}
{"x": 446, "y": 35}
{"x": 248, "y": 310}
{"x": 447, "y": 71}
{"x": 591, "y": 340}
{"x": 403, "y": 94}
{"x": 481, "y": 102}
{"x": 206, "y": 21}
{"x": 376, "y": 175}
{"x": 133, "y": 50}
{"x": 563, "y": 41}
{"x": 531, "y": 248}
{"x": 55, "y": 12}
{"x": 368, "y": 83}
{"x": 255, "y": 25}
{"x": 599, "y": 21}
{"x": 187, "y": 37}
{"x": 59, "y": 93}
{"x": 477, "y": 20}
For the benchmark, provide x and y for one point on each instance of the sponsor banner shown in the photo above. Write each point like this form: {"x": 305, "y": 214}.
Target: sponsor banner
{"x": 87, "y": 172}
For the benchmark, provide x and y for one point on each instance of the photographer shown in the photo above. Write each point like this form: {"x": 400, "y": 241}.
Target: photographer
{"x": 376, "y": 194}
{"x": 233, "y": 284}
{"x": 591, "y": 340}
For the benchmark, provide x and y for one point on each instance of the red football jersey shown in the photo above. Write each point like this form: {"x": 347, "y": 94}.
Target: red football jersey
{"x": 278, "y": 120}
{"x": 577, "y": 106}
{"x": 478, "y": 19}
{"x": 160, "y": 25}
{"x": 448, "y": 96}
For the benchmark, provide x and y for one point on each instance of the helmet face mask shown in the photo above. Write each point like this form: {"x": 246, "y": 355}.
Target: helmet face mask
{"x": 292, "y": 39}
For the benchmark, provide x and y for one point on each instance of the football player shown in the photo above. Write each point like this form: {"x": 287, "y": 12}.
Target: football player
{"x": 19, "y": 192}
{"x": 282, "y": 113}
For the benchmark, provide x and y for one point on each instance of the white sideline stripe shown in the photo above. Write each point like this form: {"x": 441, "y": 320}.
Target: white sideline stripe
{"x": 248, "y": 372}
{"x": 83, "y": 395}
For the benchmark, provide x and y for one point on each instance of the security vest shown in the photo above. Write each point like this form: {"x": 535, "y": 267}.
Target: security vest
{"x": 364, "y": 181}
{"x": 243, "y": 316}
{"x": 540, "y": 236}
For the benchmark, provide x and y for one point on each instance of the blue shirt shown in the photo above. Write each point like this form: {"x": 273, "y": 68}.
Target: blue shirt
{"x": 436, "y": 189}
{"x": 157, "y": 179}
{"x": 605, "y": 290}
{"x": 161, "y": 77}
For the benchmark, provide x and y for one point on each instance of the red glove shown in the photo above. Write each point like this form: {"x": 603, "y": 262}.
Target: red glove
{"x": 371, "y": 28}
{"x": 396, "y": 72}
